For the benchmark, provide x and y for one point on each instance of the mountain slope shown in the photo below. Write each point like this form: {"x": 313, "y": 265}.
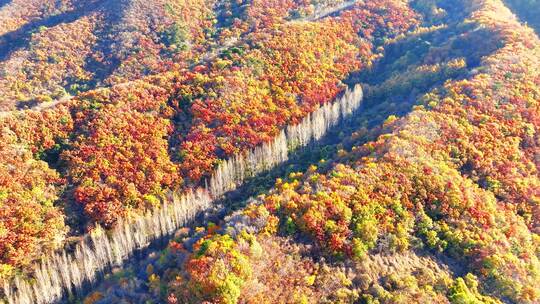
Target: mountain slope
{"x": 452, "y": 187}
{"x": 112, "y": 110}
{"x": 115, "y": 151}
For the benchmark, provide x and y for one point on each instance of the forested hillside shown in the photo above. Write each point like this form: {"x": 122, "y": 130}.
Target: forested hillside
{"x": 111, "y": 153}
{"x": 438, "y": 206}
{"x": 430, "y": 193}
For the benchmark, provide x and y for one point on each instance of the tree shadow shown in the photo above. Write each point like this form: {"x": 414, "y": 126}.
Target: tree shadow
{"x": 102, "y": 69}
{"x": 431, "y": 48}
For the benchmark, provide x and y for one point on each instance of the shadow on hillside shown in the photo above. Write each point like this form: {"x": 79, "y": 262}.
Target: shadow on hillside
{"x": 103, "y": 68}
{"x": 372, "y": 112}
{"x": 527, "y": 13}
{"x": 21, "y": 38}
{"x": 4, "y": 2}
{"x": 375, "y": 109}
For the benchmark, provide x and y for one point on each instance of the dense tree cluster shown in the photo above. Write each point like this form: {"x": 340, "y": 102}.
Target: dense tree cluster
{"x": 246, "y": 98}
{"x": 53, "y": 64}
{"x": 29, "y": 187}
{"x": 440, "y": 205}
{"x": 29, "y": 222}
{"x": 118, "y": 160}
{"x": 110, "y": 42}
{"x": 157, "y": 36}
{"x": 53, "y": 48}
{"x": 15, "y": 14}
{"x": 278, "y": 75}
{"x": 115, "y": 151}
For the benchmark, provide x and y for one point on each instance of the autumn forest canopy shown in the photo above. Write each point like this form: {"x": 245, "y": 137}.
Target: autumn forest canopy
{"x": 429, "y": 192}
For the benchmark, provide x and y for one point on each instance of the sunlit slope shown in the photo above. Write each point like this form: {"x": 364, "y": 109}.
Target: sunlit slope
{"x": 110, "y": 154}
{"x": 49, "y": 49}
{"x": 437, "y": 206}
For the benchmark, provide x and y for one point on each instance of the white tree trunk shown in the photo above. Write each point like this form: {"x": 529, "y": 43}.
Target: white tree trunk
{"x": 67, "y": 272}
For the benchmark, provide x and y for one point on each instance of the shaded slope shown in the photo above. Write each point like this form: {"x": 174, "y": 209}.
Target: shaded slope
{"x": 527, "y": 10}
